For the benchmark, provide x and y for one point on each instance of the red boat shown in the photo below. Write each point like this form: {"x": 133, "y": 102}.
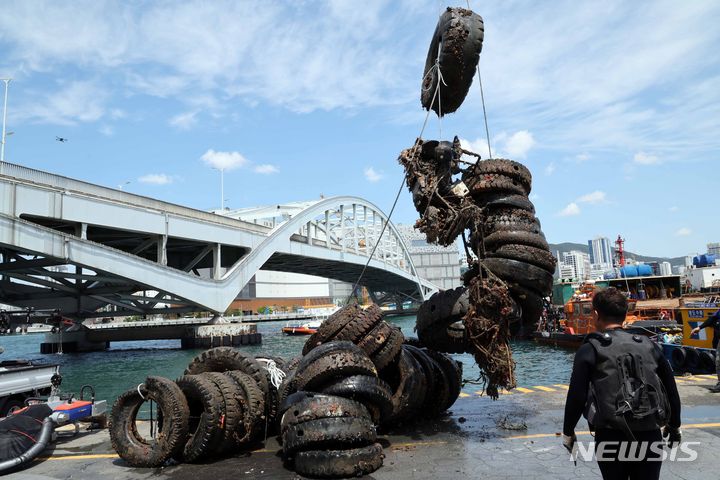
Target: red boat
{"x": 304, "y": 329}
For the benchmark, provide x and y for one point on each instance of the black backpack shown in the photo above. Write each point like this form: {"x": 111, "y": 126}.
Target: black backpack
{"x": 625, "y": 391}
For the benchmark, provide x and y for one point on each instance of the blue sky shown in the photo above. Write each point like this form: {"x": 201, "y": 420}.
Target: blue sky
{"x": 614, "y": 106}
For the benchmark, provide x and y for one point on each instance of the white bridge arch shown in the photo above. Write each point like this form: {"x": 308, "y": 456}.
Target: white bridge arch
{"x": 78, "y": 247}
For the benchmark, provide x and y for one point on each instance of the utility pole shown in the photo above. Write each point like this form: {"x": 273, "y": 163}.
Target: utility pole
{"x": 2, "y": 148}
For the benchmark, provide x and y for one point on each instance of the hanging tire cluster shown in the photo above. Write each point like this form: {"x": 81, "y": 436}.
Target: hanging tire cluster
{"x": 225, "y": 402}
{"x": 357, "y": 374}
{"x": 487, "y": 203}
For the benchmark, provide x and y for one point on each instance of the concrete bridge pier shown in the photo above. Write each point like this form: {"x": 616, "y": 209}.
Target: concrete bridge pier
{"x": 99, "y": 337}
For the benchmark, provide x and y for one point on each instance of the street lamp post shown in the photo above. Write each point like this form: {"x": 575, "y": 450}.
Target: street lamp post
{"x": 2, "y": 148}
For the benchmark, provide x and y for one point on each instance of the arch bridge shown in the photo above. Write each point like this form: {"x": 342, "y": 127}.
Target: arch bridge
{"x": 80, "y": 247}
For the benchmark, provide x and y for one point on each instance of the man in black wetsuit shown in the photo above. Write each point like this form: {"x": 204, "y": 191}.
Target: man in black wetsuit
{"x": 595, "y": 374}
{"x": 714, "y": 322}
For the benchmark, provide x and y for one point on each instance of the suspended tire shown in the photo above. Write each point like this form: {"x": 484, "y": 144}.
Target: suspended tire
{"x": 455, "y": 47}
{"x": 339, "y": 463}
{"x": 224, "y": 359}
{"x": 372, "y": 392}
{"x": 409, "y": 386}
{"x": 316, "y": 406}
{"x": 439, "y": 320}
{"x": 206, "y": 406}
{"x": 390, "y": 350}
{"x": 523, "y": 253}
{"x": 529, "y": 276}
{"x": 517, "y": 237}
{"x": 332, "y": 325}
{"x": 707, "y": 362}
{"x": 507, "y": 220}
{"x": 452, "y": 371}
{"x": 505, "y": 167}
{"x": 331, "y": 367}
{"x": 136, "y": 450}
{"x": 678, "y": 357}
{"x": 234, "y": 411}
{"x": 481, "y": 185}
{"x": 494, "y": 201}
{"x": 326, "y": 433}
{"x": 530, "y": 302}
{"x": 254, "y": 414}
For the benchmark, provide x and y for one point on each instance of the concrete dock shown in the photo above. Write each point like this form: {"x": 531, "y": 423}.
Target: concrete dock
{"x": 515, "y": 437}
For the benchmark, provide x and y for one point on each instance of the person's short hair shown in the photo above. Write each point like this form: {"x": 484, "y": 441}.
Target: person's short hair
{"x": 611, "y": 304}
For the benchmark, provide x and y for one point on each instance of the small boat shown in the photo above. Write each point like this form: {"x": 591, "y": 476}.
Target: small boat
{"x": 303, "y": 329}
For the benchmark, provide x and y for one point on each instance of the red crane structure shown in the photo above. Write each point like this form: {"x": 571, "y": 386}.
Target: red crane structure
{"x": 620, "y": 251}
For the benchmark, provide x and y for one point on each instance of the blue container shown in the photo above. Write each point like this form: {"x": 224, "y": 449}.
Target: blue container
{"x": 644, "y": 270}
{"x": 709, "y": 259}
{"x": 705, "y": 260}
{"x": 610, "y": 276}
{"x": 628, "y": 271}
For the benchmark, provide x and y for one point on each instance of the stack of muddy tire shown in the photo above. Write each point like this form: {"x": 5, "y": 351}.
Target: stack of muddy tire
{"x": 357, "y": 374}
{"x": 225, "y": 402}
{"x": 511, "y": 238}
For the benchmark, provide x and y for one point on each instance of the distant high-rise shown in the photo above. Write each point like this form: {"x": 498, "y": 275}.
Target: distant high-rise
{"x": 600, "y": 251}
{"x": 713, "y": 248}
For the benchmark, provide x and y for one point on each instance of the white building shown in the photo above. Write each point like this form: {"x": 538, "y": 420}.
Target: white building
{"x": 704, "y": 278}
{"x": 600, "y": 252}
{"x": 580, "y": 263}
{"x": 665, "y": 268}
{"x": 436, "y": 264}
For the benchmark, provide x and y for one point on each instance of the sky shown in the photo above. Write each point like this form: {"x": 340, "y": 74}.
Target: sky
{"x": 614, "y": 106}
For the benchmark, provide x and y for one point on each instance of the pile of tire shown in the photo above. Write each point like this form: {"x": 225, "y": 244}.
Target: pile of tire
{"x": 225, "y": 402}
{"x": 358, "y": 364}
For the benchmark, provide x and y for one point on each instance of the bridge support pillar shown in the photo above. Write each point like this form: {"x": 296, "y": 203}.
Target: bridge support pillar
{"x": 68, "y": 342}
{"x": 221, "y": 335}
{"x": 217, "y": 261}
{"x": 162, "y": 249}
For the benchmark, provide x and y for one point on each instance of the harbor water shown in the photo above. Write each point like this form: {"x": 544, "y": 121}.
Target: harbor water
{"x": 126, "y": 364}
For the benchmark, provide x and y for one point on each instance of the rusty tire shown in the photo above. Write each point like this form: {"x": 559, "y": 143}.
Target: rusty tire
{"x": 481, "y": 185}
{"x": 206, "y": 411}
{"x": 409, "y": 386}
{"x": 375, "y": 338}
{"x": 524, "y": 253}
{"x": 390, "y": 350}
{"x": 456, "y": 44}
{"x": 254, "y": 412}
{"x": 333, "y": 366}
{"x": 439, "y": 320}
{"x": 331, "y": 326}
{"x": 428, "y": 370}
{"x": 524, "y": 274}
{"x": 453, "y": 373}
{"x": 223, "y": 359}
{"x": 364, "y": 323}
{"x": 529, "y": 301}
{"x": 314, "y": 406}
{"x": 320, "y": 351}
{"x": 505, "y": 167}
{"x": 372, "y": 392}
{"x": 234, "y": 415}
{"x": 353, "y": 462}
{"x": 494, "y": 201}
{"x": 517, "y": 237}
{"x": 126, "y": 440}
{"x": 326, "y": 433}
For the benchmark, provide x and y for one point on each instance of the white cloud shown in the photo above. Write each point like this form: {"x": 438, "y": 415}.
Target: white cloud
{"x": 534, "y": 197}
{"x": 156, "y": 179}
{"x": 570, "y": 210}
{"x": 478, "y": 146}
{"x": 518, "y": 144}
{"x": 106, "y": 130}
{"x": 73, "y": 103}
{"x": 372, "y": 176}
{"x": 184, "y": 121}
{"x": 266, "y": 169}
{"x": 683, "y": 232}
{"x": 673, "y": 209}
{"x": 224, "y": 160}
{"x": 550, "y": 168}
{"x": 595, "y": 197}
{"x": 583, "y": 157}
{"x": 643, "y": 158}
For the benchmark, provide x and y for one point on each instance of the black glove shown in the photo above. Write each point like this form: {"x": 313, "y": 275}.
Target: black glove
{"x": 672, "y": 436}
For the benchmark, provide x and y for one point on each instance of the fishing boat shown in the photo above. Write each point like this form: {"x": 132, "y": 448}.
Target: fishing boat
{"x": 689, "y": 352}
{"x": 307, "y": 328}
{"x": 644, "y": 317}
